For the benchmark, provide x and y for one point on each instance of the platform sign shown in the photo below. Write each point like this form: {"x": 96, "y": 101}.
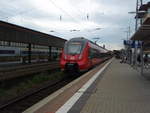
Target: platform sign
{"x": 125, "y": 42}
{"x": 138, "y": 44}
{"x": 128, "y": 42}
{"x": 133, "y": 43}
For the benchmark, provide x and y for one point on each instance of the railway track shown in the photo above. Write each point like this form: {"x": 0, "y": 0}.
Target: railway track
{"x": 22, "y": 70}
{"x": 23, "y": 102}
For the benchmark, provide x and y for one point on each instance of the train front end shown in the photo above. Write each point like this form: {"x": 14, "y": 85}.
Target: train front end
{"x": 74, "y": 55}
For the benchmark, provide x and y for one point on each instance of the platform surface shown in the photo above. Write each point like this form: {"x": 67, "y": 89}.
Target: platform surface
{"x": 120, "y": 89}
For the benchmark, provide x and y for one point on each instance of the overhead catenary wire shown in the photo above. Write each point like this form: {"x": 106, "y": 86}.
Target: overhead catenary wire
{"x": 21, "y": 13}
{"x": 61, "y": 9}
{"x": 65, "y": 12}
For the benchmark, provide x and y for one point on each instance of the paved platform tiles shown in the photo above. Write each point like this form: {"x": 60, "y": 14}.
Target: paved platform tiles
{"x": 146, "y": 71}
{"x": 121, "y": 90}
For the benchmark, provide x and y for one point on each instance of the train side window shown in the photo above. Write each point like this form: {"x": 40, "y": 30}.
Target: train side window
{"x": 90, "y": 53}
{"x": 7, "y": 52}
{"x": 95, "y": 53}
{"x": 1, "y": 43}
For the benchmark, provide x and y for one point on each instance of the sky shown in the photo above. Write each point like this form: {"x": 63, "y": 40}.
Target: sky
{"x": 107, "y": 20}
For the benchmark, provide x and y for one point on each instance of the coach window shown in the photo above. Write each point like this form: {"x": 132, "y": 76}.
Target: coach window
{"x": 13, "y": 44}
{"x": 33, "y": 46}
{"x": 103, "y": 55}
{"x": 22, "y": 44}
{"x": 10, "y": 43}
{"x": 0, "y": 43}
{"x": 90, "y": 53}
{"x": 3, "y": 43}
{"x": 17, "y": 44}
{"x": 95, "y": 54}
{"x": 148, "y": 11}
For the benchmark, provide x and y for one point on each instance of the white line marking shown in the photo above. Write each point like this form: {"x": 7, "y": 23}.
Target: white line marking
{"x": 68, "y": 105}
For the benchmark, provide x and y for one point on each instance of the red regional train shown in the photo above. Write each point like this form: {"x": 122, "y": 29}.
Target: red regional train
{"x": 80, "y": 54}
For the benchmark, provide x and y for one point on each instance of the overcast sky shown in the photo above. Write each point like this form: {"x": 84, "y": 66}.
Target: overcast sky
{"x": 44, "y": 15}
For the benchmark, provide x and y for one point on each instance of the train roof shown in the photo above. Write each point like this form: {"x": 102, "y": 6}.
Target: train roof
{"x": 86, "y": 40}
{"x": 79, "y": 39}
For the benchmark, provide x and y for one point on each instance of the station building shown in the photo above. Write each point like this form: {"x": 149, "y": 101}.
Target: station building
{"x": 143, "y": 35}
{"x": 19, "y": 43}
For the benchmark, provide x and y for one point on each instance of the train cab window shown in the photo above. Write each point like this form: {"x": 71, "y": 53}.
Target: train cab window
{"x": 74, "y": 48}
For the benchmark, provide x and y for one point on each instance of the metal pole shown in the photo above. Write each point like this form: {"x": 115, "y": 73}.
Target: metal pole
{"x": 87, "y": 16}
{"x": 135, "y": 57}
{"x": 136, "y": 27}
{"x": 127, "y": 35}
{"x": 141, "y": 18}
{"x": 50, "y": 53}
{"x": 129, "y": 31}
{"x": 136, "y": 23}
{"x": 29, "y": 53}
{"x": 142, "y": 60}
{"x": 141, "y": 2}
{"x": 60, "y": 18}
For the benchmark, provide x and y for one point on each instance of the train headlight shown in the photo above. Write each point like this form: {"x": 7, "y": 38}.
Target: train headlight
{"x": 65, "y": 57}
{"x": 80, "y": 57}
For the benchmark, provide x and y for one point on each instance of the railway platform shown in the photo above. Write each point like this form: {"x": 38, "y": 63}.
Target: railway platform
{"x": 115, "y": 88}
{"x": 121, "y": 90}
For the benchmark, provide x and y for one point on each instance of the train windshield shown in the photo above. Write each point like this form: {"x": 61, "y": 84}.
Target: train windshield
{"x": 74, "y": 48}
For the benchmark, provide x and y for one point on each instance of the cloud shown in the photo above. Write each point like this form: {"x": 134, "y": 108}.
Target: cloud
{"x": 44, "y": 15}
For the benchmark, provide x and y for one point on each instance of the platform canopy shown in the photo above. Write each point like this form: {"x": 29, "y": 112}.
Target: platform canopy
{"x": 14, "y": 33}
{"x": 143, "y": 34}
